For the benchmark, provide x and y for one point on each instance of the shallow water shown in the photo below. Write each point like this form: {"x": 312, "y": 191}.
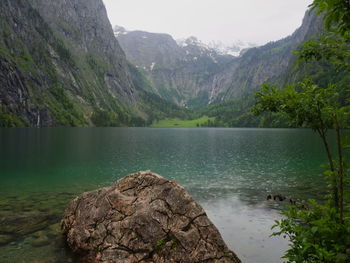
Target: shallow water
{"x": 228, "y": 171}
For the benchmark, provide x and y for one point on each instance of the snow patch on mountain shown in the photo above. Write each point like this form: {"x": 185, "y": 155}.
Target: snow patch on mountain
{"x": 192, "y": 41}
{"x": 234, "y": 49}
{"x": 119, "y": 30}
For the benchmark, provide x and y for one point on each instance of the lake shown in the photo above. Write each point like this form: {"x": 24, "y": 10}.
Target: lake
{"x": 228, "y": 171}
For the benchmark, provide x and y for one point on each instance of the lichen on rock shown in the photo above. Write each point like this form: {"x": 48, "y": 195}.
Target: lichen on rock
{"x": 142, "y": 218}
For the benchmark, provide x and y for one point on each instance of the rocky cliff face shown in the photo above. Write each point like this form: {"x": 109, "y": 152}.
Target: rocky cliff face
{"x": 178, "y": 72}
{"x": 268, "y": 63}
{"x": 61, "y": 65}
{"x": 85, "y": 24}
{"x": 146, "y": 50}
{"x": 196, "y": 75}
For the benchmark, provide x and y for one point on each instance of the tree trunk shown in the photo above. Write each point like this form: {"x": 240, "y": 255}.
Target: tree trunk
{"x": 341, "y": 170}
{"x": 322, "y": 134}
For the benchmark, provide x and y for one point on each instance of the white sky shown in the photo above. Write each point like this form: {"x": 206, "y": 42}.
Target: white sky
{"x": 257, "y": 21}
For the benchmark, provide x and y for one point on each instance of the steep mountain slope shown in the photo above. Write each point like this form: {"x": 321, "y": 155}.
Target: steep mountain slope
{"x": 61, "y": 65}
{"x": 275, "y": 63}
{"x": 179, "y": 72}
{"x": 269, "y": 63}
{"x": 145, "y": 49}
{"x": 195, "y": 75}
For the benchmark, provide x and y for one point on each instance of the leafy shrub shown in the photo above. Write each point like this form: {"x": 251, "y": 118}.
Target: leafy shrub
{"x": 315, "y": 234}
{"x": 103, "y": 118}
{"x": 8, "y": 120}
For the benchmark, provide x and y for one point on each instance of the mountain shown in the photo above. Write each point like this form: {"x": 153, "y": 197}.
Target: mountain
{"x": 190, "y": 73}
{"x": 61, "y": 65}
{"x": 145, "y": 49}
{"x": 274, "y": 63}
{"x": 269, "y": 63}
{"x": 180, "y": 72}
{"x": 236, "y": 48}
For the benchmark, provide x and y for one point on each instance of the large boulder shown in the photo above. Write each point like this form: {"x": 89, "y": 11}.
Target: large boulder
{"x": 142, "y": 218}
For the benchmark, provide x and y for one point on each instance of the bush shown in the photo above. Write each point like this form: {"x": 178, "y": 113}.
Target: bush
{"x": 8, "y": 120}
{"x": 103, "y": 118}
{"x": 315, "y": 234}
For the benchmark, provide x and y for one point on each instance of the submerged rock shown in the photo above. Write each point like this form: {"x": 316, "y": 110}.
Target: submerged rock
{"x": 41, "y": 239}
{"x": 142, "y": 218}
{"x": 21, "y": 225}
{"x": 6, "y": 238}
{"x": 14, "y": 227}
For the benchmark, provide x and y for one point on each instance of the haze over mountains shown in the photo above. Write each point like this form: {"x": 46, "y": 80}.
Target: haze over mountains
{"x": 190, "y": 73}
{"x": 234, "y": 49}
{"x": 62, "y": 64}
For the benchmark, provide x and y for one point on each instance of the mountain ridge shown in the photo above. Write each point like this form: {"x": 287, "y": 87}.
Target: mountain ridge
{"x": 177, "y": 73}
{"x": 65, "y": 77}
{"x": 196, "y": 75}
{"x": 62, "y": 66}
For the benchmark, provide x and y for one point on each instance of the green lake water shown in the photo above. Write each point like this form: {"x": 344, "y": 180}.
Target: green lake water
{"x": 228, "y": 171}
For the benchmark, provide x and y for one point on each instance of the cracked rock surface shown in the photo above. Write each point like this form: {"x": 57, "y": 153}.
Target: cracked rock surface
{"x": 142, "y": 218}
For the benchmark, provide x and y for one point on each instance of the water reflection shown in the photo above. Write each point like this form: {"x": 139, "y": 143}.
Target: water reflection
{"x": 250, "y": 225}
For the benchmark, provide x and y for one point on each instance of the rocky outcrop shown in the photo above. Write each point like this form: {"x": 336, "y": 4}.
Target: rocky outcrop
{"x": 142, "y": 218}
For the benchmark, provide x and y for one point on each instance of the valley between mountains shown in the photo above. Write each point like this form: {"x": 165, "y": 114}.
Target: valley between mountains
{"x": 63, "y": 64}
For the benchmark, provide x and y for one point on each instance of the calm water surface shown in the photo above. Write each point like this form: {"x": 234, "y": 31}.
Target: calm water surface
{"x": 228, "y": 171}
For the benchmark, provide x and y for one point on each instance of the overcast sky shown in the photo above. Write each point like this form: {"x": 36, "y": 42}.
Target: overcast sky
{"x": 257, "y": 21}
